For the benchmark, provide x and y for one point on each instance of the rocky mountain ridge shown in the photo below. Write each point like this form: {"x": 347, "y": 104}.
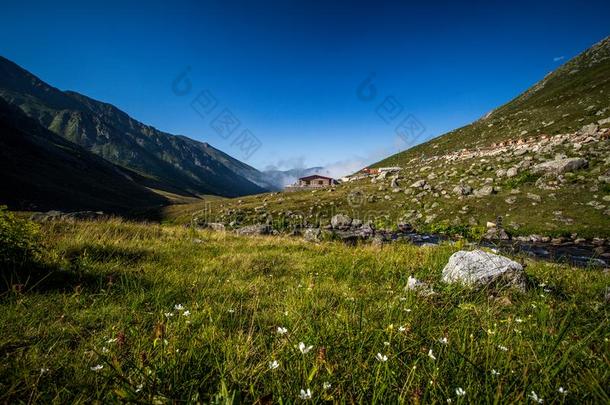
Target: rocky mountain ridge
{"x": 167, "y": 162}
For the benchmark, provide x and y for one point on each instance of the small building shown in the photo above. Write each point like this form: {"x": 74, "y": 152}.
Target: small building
{"x": 316, "y": 181}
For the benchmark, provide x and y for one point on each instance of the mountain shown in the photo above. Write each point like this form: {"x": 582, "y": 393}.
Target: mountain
{"x": 540, "y": 163}
{"x": 42, "y": 171}
{"x": 163, "y": 161}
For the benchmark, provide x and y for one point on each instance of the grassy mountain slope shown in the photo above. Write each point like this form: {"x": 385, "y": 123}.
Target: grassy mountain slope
{"x": 432, "y": 189}
{"x": 171, "y": 163}
{"x": 41, "y": 171}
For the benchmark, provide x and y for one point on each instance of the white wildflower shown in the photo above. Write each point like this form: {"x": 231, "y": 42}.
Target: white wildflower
{"x": 304, "y": 349}
{"x": 105, "y": 349}
{"x": 534, "y": 397}
{"x": 503, "y": 348}
{"x": 460, "y": 392}
{"x": 386, "y": 343}
{"x": 326, "y": 385}
{"x": 168, "y": 314}
{"x": 273, "y": 365}
{"x": 178, "y": 307}
{"x": 281, "y": 330}
{"x": 444, "y": 340}
{"x": 381, "y": 357}
{"x": 97, "y": 368}
{"x": 495, "y": 372}
{"x": 44, "y": 370}
{"x": 111, "y": 340}
{"x": 139, "y": 387}
{"x": 186, "y": 313}
{"x": 231, "y": 310}
{"x": 431, "y": 355}
{"x": 402, "y": 329}
{"x": 305, "y": 394}
{"x": 562, "y": 391}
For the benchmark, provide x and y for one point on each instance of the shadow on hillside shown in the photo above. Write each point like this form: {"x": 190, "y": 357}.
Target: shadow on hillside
{"x": 47, "y": 279}
{"x": 106, "y": 254}
{"x": 78, "y": 272}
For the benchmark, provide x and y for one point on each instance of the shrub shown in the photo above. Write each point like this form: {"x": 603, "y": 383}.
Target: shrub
{"x": 19, "y": 239}
{"x": 523, "y": 178}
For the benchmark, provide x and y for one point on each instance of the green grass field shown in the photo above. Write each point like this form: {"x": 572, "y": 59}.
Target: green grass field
{"x": 116, "y": 311}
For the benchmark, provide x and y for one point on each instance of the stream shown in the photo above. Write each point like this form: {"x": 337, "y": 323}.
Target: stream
{"x": 581, "y": 254}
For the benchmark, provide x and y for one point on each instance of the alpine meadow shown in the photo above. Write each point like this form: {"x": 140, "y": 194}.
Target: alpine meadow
{"x": 437, "y": 231}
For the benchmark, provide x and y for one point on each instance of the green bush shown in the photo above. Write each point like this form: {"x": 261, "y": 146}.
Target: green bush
{"x": 523, "y": 178}
{"x": 19, "y": 239}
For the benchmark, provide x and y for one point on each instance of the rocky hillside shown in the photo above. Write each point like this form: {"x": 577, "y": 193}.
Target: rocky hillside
{"x": 42, "y": 171}
{"x": 541, "y": 163}
{"x": 171, "y": 163}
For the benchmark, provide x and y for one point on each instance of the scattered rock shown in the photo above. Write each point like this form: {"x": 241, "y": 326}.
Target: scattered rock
{"x": 590, "y": 129}
{"x": 560, "y": 165}
{"x": 340, "y": 221}
{"x": 216, "y": 226}
{"x": 479, "y": 268}
{"x": 419, "y": 184}
{"x": 484, "y": 191}
{"x": 496, "y": 233}
{"x": 462, "y": 189}
{"x": 534, "y": 197}
{"x": 512, "y": 172}
{"x": 312, "y": 234}
{"x": 259, "y": 229}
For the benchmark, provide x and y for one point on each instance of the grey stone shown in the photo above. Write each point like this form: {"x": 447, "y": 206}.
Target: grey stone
{"x": 419, "y": 184}
{"x": 495, "y": 233}
{"x": 340, "y": 221}
{"x": 512, "y": 172}
{"x": 560, "y": 165}
{"x": 258, "y": 229}
{"x": 534, "y": 197}
{"x": 484, "y": 191}
{"x": 217, "y": 226}
{"x": 312, "y": 234}
{"x": 462, "y": 189}
{"x": 478, "y": 268}
{"x": 589, "y": 129}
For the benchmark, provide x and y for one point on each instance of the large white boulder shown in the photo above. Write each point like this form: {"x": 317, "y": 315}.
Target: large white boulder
{"x": 559, "y": 166}
{"x": 478, "y": 268}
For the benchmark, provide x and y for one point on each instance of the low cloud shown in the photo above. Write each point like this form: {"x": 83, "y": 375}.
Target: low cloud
{"x": 558, "y": 58}
{"x": 297, "y": 162}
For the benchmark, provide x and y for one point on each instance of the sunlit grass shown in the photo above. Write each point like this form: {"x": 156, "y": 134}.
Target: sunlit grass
{"x": 162, "y": 313}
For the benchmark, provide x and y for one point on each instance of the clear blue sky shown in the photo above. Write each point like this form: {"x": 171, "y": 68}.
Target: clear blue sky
{"x": 289, "y": 69}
